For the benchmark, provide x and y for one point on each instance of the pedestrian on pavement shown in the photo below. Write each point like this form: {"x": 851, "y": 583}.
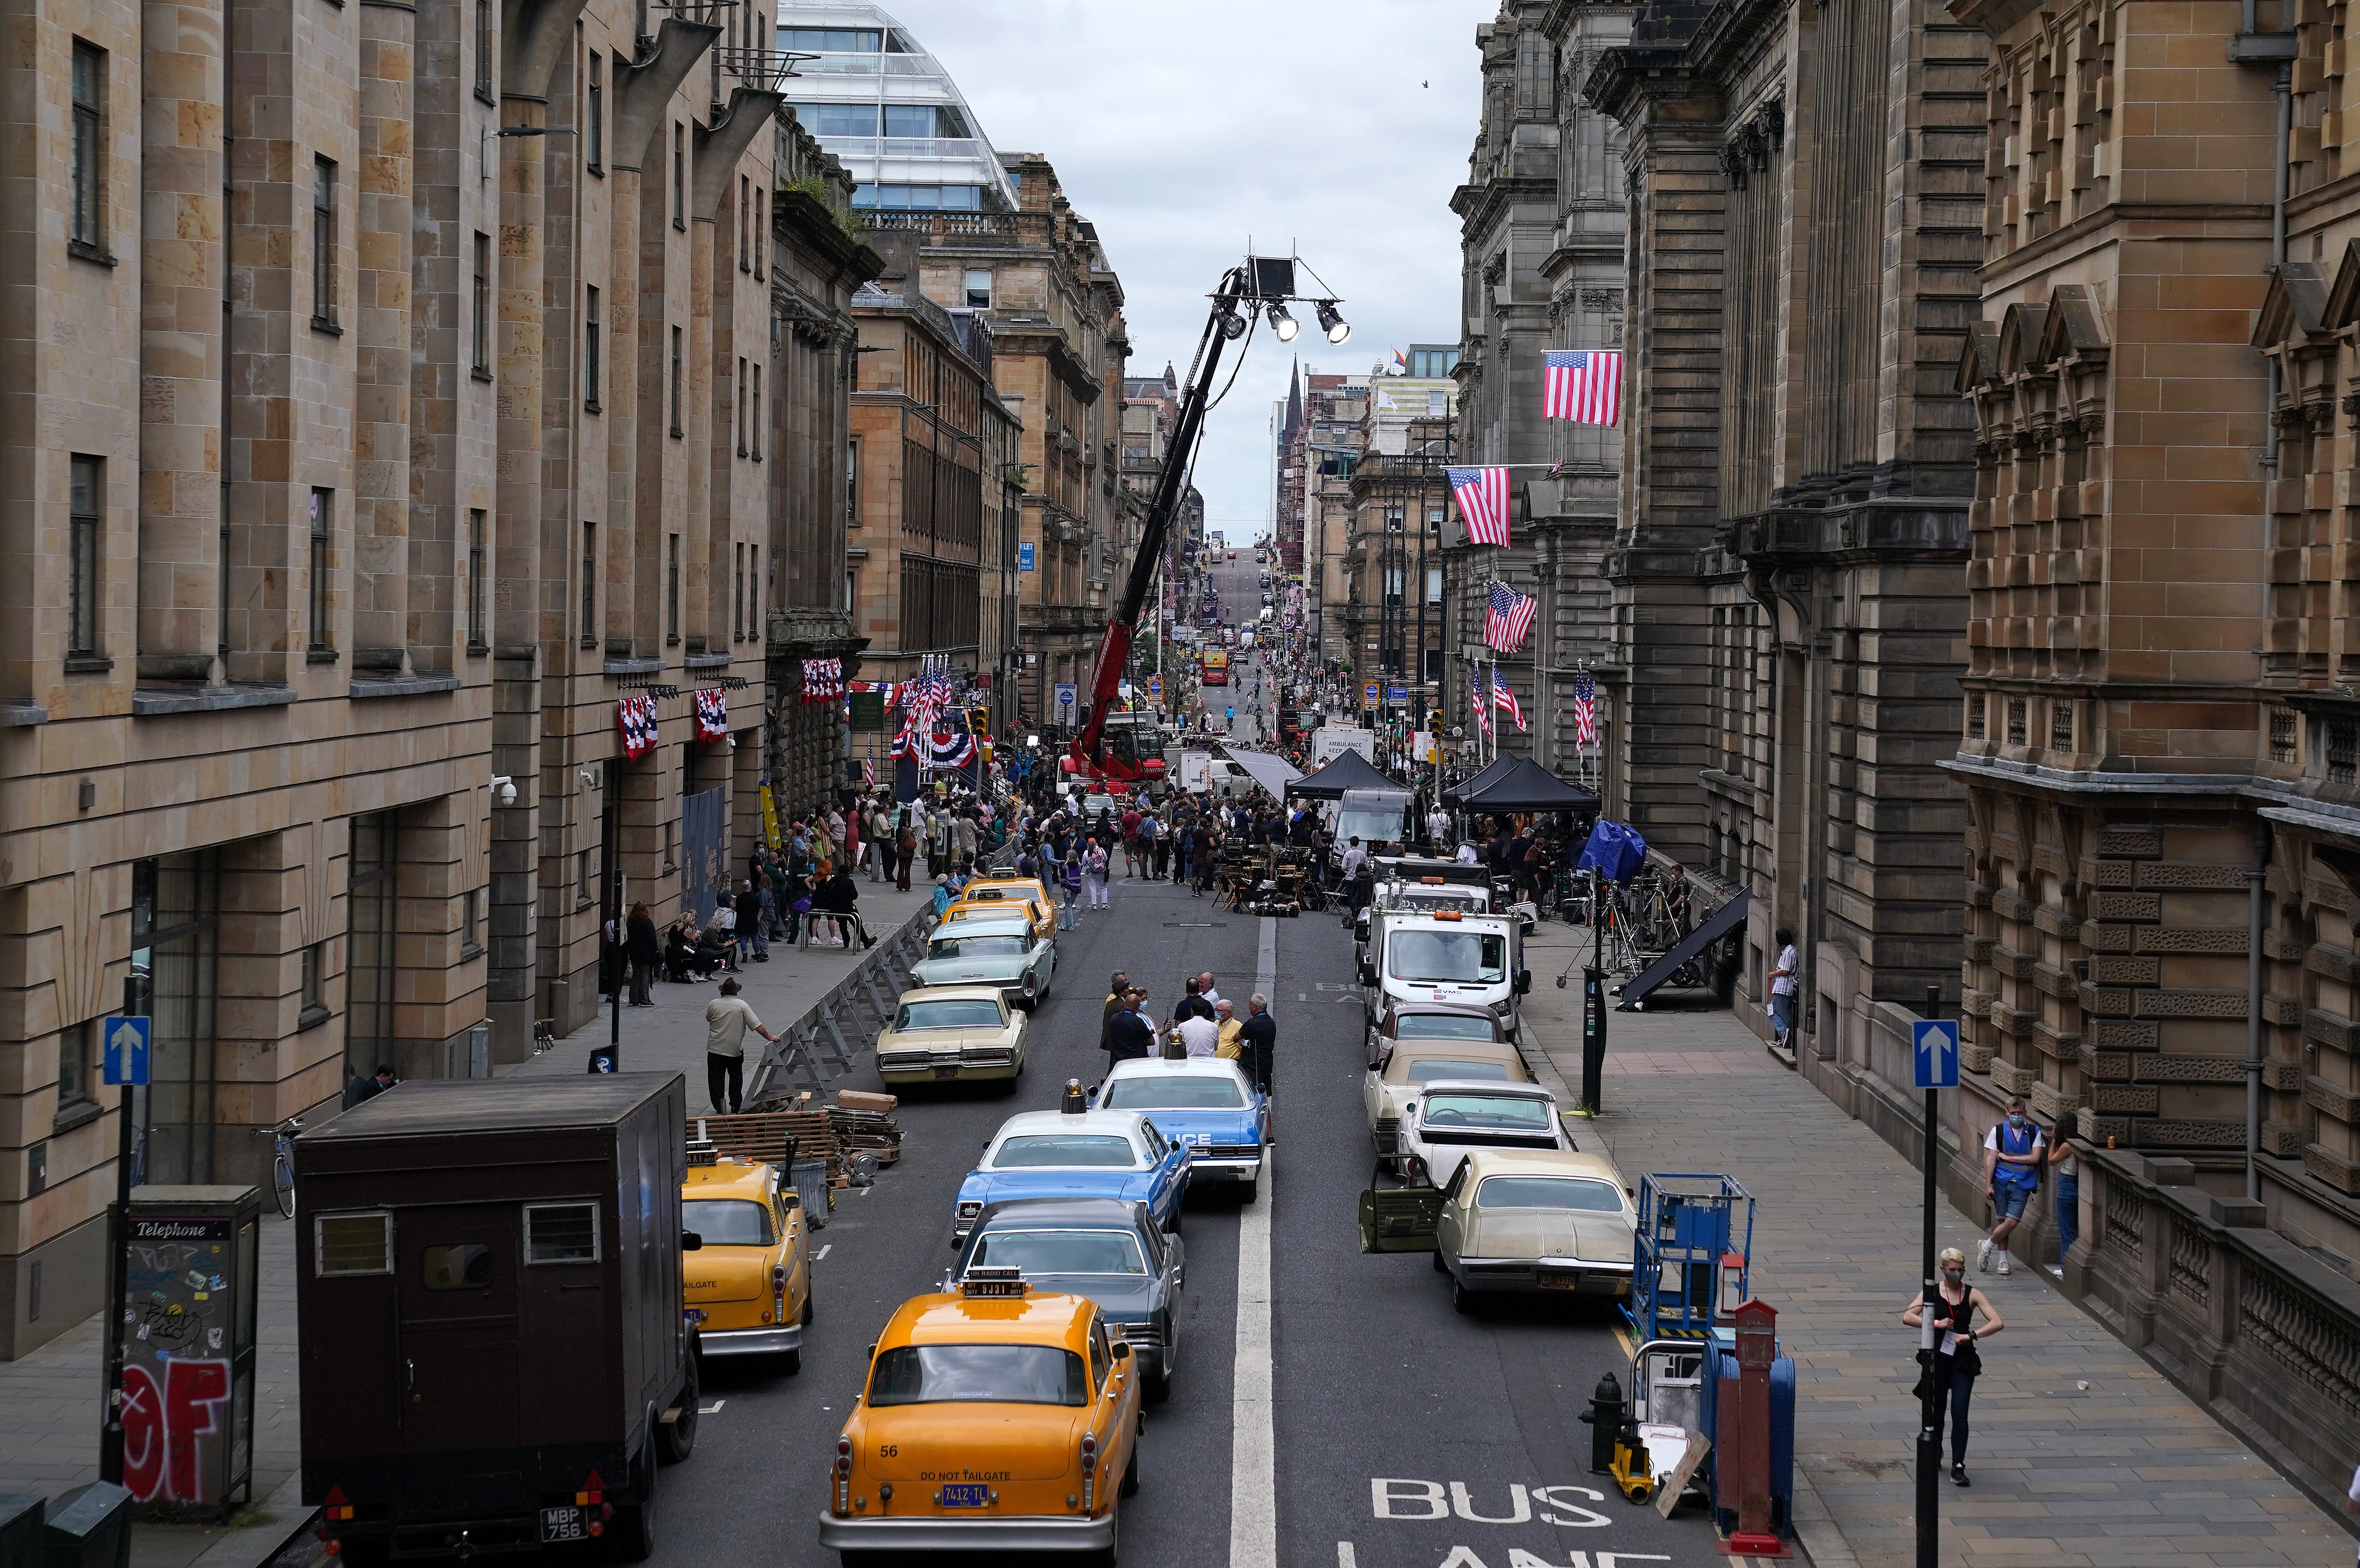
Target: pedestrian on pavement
{"x": 1782, "y": 988}
{"x": 1130, "y": 1034}
{"x": 2014, "y": 1151}
{"x": 1355, "y": 857}
{"x": 727, "y": 1018}
{"x": 1069, "y": 878}
{"x": 1232, "y": 1032}
{"x": 2068, "y": 1167}
{"x": 751, "y": 941}
{"x": 838, "y": 901}
{"x": 1095, "y": 869}
{"x": 1117, "y": 986}
{"x": 1257, "y": 1039}
{"x": 644, "y": 949}
{"x": 1953, "y": 1364}
{"x": 942, "y": 895}
{"x": 722, "y": 929}
{"x": 905, "y": 849}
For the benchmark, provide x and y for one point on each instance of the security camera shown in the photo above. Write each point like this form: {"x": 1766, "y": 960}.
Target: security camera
{"x": 589, "y": 779}
{"x": 506, "y": 786}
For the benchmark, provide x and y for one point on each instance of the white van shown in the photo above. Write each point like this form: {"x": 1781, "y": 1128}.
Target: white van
{"x": 1473, "y": 961}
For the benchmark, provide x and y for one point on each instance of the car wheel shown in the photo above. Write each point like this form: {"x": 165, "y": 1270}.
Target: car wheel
{"x": 1131, "y": 1472}
{"x": 789, "y": 1362}
{"x": 1252, "y": 1192}
{"x": 632, "y": 1535}
{"x": 676, "y": 1439}
{"x": 1462, "y": 1299}
{"x": 808, "y": 1310}
{"x": 1439, "y": 1266}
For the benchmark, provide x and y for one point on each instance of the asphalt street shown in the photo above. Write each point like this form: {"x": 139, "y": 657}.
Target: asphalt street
{"x": 1400, "y": 1434}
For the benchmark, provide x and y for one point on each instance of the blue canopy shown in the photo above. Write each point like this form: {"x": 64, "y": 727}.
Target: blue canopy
{"x": 1615, "y": 851}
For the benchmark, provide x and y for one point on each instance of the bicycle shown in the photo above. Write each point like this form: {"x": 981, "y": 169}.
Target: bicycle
{"x": 282, "y": 1163}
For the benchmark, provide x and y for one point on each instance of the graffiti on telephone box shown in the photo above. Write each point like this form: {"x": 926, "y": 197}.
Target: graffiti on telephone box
{"x": 187, "y": 1301}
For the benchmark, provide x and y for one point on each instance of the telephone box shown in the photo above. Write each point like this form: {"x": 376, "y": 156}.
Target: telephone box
{"x": 191, "y": 1257}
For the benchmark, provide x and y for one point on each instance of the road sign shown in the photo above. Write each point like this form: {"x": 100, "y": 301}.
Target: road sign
{"x": 1155, "y": 687}
{"x": 1934, "y": 1047}
{"x": 1067, "y": 694}
{"x": 124, "y": 1040}
{"x": 1024, "y": 555}
{"x": 1396, "y": 696}
{"x": 1368, "y": 694}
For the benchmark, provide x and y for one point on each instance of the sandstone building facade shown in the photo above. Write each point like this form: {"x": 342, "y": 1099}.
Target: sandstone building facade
{"x": 389, "y": 393}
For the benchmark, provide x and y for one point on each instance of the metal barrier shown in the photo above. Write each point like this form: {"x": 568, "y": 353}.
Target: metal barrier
{"x": 826, "y": 1040}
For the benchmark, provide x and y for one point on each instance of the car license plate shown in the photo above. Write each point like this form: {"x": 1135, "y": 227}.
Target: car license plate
{"x": 561, "y": 1524}
{"x": 1560, "y": 1279}
{"x": 966, "y": 1494}
{"x": 946, "y": 1071}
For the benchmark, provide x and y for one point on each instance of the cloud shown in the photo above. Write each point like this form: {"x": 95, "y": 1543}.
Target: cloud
{"x": 1181, "y": 130}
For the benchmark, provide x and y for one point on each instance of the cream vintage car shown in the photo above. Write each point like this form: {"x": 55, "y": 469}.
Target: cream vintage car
{"x": 1418, "y": 1041}
{"x": 1534, "y": 1220}
{"x": 945, "y": 1033}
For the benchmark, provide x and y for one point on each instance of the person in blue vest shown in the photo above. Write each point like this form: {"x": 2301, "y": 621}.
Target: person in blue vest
{"x": 2014, "y": 1151}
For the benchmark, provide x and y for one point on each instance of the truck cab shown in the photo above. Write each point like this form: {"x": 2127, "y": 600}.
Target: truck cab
{"x": 1472, "y": 960}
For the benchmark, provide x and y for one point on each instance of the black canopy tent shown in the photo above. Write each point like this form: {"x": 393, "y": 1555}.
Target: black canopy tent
{"x": 1528, "y": 787}
{"x": 1348, "y": 770}
{"x": 1490, "y": 773}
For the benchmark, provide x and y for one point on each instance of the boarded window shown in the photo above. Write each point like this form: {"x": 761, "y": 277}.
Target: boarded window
{"x": 561, "y": 1232}
{"x": 347, "y": 1245}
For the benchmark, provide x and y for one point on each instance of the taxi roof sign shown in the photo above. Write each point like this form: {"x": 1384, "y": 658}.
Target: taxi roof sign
{"x": 990, "y": 1281}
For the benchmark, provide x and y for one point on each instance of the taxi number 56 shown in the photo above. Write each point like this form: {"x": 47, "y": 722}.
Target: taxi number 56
{"x": 888, "y": 1450}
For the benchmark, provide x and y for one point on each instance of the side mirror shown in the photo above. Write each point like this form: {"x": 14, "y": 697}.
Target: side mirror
{"x": 1524, "y": 982}
{"x": 1368, "y": 974}
{"x": 791, "y": 1199}
{"x": 1122, "y": 1350}
{"x": 691, "y": 1242}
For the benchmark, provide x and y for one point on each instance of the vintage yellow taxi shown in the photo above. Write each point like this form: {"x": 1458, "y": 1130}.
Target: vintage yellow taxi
{"x": 995, "y": 1420}
{"x": 748, "y": 1284}
{"x": 995, "y": 895}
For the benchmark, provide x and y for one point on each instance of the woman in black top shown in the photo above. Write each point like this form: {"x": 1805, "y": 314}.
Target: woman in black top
{"x": 1954, "y": 1363}
{"x": 645, "y": 950}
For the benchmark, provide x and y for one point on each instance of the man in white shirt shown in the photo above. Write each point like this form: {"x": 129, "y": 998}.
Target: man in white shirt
{"x": 1782, "y": 986}
{"x": 1438, "y": 826}
{"x": 727, "y": 1018}
{"x": 1205, "y": 989}
{"x": 1199, "y": 1035}
{"x": 724, "y": 925}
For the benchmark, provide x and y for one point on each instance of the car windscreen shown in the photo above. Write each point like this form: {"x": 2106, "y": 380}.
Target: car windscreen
{"x": 996, "y": 1373}
{"x": 1060, "y": 1251}
{"x": 1441, "y": 1027}
{"x": 1457, "y": 957}
{"x": 1064, "y": 1148}
{"x": 960, "y": 1013}
{"x": 1368, "y": 827}
{"x": 1008, "y": 947}
{"x": 1174, "y": 1092}
{"x": 1488, "y": 1112}
{"x": 1548, "y": 1192}
{"x": 727, "y": 1222}
{"x": 1422, "y": 1069}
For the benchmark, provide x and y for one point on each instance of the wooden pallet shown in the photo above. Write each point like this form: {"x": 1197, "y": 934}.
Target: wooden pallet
{"x": 766, "y": 1135}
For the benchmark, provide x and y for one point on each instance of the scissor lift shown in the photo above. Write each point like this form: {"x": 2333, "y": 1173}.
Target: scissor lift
{"x": 1691, "y": 1254}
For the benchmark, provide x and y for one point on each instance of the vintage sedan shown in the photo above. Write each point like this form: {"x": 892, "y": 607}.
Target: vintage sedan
{"x": 946, "y": 1033}
{"x": 1449, "y": 1116}
{"x": 1205, "y": 1103}
{"x": 1418, "y": 1041}
{"x": 995, "y": 950}
{"x": 1539, "y": 1221}
{"x": 998, "y": 1418}
{"x": 1077, "y": 1153}
{"x": 748, "y": 1284}
{"x": 1113, "y": 1253}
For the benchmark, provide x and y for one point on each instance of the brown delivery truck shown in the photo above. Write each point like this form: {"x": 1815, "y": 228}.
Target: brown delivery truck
{"x": 489, "y": 1291}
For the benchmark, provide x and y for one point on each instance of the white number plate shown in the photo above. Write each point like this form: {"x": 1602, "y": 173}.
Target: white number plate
{"x": 561, "y": 1524}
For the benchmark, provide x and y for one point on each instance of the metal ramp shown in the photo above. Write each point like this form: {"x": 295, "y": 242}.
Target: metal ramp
{"x": 1724, "y": 920}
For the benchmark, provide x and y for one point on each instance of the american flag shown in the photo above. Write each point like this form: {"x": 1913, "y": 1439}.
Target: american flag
{"x": 1502, "y": 697}
{"x": 1585, "y": 711}
{"x": 1584, "y": 385}
{"x": 868, "y": 773}
{"x": 1510, "y": 619}
{"x": 1482, "y": 496}
{"x": 1482, "y": 709}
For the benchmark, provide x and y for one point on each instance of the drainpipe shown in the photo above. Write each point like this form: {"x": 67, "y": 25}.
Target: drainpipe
{"x": 2255, "y": 892}
{"x": 2275, "y": 48}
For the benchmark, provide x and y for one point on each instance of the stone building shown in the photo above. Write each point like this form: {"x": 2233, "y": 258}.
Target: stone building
{"x": 1541, "y": 217}
{"x": 1396, "y": 496}
{"x": 389, "y": 393}
{"x": 2162, "y": 843}
{"x": 1786, "y": 602}
{"x": 1335, "y": 434}
{"x": 1041, "y": 279}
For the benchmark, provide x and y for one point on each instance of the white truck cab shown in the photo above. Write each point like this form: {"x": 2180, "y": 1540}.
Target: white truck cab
{"x": 1474, "y": 960}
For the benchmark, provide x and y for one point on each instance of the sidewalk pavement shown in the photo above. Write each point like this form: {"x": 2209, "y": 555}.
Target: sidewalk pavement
{"x": 2081, "y": 1453}
{"x": 50, "y": 1400}
{"x": 670, "y": 1035}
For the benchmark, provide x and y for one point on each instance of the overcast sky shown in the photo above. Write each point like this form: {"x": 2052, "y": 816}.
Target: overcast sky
{"x": 1337, "y": 126}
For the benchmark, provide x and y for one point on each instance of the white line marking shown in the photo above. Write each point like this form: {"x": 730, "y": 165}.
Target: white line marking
{"x": 1253, "y": 1452}
{"x": 712, "y": 1409}
{"x": 821, "y": 1256}
{"x": 1344, "y": 1557}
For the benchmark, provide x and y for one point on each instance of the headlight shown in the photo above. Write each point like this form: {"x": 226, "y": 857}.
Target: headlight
{"x": 969, "y": 1210}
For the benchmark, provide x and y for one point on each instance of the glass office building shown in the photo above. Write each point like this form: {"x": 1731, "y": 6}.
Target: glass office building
{"x": 889, "y": 113}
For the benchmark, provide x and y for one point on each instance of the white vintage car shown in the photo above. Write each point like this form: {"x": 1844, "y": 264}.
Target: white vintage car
{"x": 999, "y": 949}
{"x": 1449, "y": 1117}
{"x": 1534, "y": 1220}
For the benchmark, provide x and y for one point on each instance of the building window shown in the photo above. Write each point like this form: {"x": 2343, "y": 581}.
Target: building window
{"x": 484, "y": 50}
{"x": 740, "y": 415}
{"x": 761, "y": 226}
{"x": 753, "y": 593}
{"x": 979, "y": 289}
{"x": 676, "y": 384}
{"x": 86, "y": 498}
{"x": 1433, "y": 520}
{"x": 471, "y": 921}
{"x": 745, "y": 220}
{"x": 737, "y": 594}
{"x": 1438, "y": 402}
{"x": 73, "y": 1065}
{"x": 89, "y": 233}
{"x": 589, "y": 585}
{"x": 175, "y": 974}
{"x": 479, "y": 330}
{"x": 590, "y": 350}
{"x": 2282, "y": 735}
{"x": 852, "y": 484}
{"x": 1975, "y": 715}
{"x": 1434, "y": 585}
{"x": 680, "y": 177}
{"x": 672, "y": 592}
{"x": 754, "y": 432}
{"x": 2061, "y": 726}
{"x": 585, "y": 883}
{"x": 314, "y": 983}
{"x": 475, "y": 639}
{"x": 2015, "y": 721}
{"x": 324, "y": 507}
{"x": 595, "y": 132}
{"x": 2342, "y": 749}
{"x": 1393, "y": 519}
{"x": 324, "y": 243}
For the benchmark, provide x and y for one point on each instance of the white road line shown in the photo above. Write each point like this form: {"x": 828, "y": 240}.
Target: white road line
{"x": 821, "y": 1256}
{"x": 1253, "y": 1452}
{"x": 1345, "y": 1558}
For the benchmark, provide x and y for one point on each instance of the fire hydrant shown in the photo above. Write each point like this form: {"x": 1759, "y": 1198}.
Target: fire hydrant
{"x": 1605, "y": 1417}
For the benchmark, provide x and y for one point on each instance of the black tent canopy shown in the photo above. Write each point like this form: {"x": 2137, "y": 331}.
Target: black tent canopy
{"x": 1487, "y": 773}
{"x": 1528, "y": 787}
{"x": 1347, "y": 770}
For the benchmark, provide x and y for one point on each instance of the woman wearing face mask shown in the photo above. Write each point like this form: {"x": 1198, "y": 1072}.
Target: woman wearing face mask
{"x": 1955, "y": 1361}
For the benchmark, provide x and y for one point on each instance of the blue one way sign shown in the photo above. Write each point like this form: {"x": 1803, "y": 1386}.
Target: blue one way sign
{"x": 124, "y": 1039}
{"x": 1934, "y": 1047}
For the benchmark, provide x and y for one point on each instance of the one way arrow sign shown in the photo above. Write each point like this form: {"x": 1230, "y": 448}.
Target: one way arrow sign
{"x": 1934, "y": 1047}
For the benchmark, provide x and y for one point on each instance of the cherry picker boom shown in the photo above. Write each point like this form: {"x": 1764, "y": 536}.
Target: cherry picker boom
{"x": 1262, "y": 284}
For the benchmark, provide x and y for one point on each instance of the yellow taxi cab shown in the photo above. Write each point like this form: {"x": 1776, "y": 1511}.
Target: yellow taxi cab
{"x": 995, "y": 895}
{"x": 995, "y": 1420}
{"x": 748, "y": 1284}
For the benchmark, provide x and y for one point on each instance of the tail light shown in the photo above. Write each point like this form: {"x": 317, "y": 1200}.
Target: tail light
{"x": 843, "y": 1475}
{"x": 1089, "y": 1470}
